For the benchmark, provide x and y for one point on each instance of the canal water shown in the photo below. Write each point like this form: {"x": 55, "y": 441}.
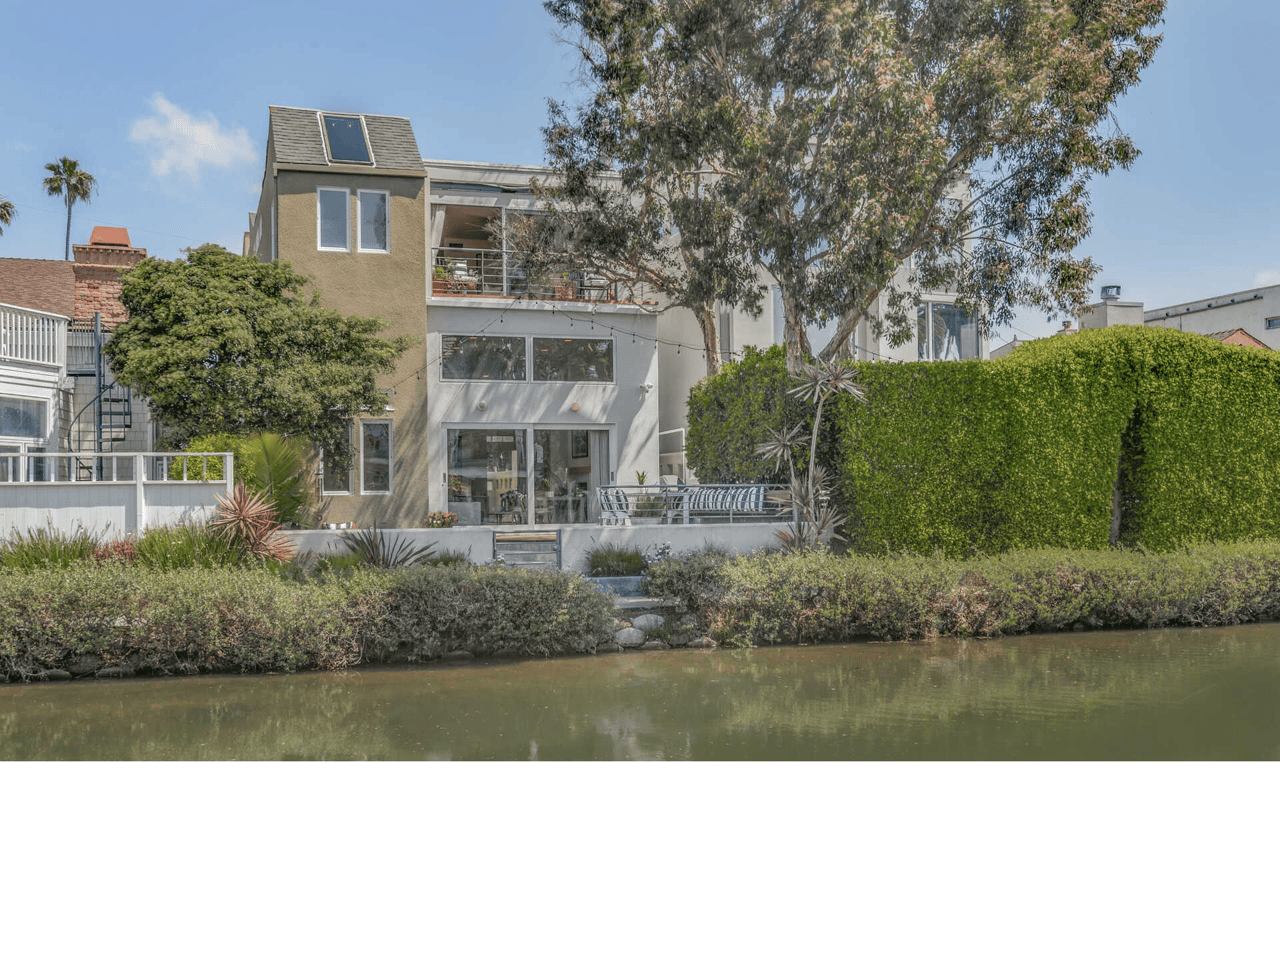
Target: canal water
{"x": 1146, "y": 695}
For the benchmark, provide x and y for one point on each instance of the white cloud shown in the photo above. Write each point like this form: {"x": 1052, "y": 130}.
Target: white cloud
{"x": 1266, "y": 278}
{"x": 183, "y": 143}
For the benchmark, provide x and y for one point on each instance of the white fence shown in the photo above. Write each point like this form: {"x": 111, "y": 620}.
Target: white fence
{"x": 30, "y": 336}
{"x": 109, "y": 495}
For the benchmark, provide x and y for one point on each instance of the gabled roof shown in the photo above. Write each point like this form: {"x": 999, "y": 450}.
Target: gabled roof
{"x": 296, "y": 133}
{"x": 1239, "y": 338}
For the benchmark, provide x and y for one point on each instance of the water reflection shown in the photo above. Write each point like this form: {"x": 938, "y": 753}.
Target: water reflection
{"x": 1174, "y": 694}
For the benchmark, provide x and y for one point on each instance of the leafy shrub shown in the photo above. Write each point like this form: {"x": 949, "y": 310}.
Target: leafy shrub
{"x": 183, "y": 621}
{"x": 439, "y": 519}
{"x": 38, "y": 549}
{"x": 692, "y": 581}
{"x": 268, "y": 464}
{"x": 451, "y": 558}
{"x": 818, "y": 598}
{"x": 615, "y": 562}
{"x": 120, "y": 551}
{"x": 429, "y": 611}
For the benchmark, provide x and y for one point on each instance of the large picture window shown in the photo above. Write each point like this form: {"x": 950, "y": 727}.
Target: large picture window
{"x": 482, "y": 358}
{"x": 564, "y": 358}
{"x": 332, "y": 211}
{"x": 375, "y": 456}
{"x": 371, "y": 235}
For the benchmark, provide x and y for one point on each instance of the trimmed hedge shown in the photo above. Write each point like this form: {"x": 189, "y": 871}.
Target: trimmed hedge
{"x": 251, "y": 620}
{"x": 989, "y": 456}
{"x": 813, "y": 597}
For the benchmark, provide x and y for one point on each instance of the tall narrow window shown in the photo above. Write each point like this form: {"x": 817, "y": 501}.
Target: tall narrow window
{"x": 371, "y": 237}
{"x": 375, "y": 456}
{"x": 337, "y": 480}
{"x": 332, "y": 210}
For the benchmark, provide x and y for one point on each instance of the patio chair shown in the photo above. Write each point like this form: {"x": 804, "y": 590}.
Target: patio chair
{"x": 615, "y": 509}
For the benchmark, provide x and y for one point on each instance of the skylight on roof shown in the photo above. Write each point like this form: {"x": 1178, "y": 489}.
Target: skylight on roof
{"x": 346, "y": 140}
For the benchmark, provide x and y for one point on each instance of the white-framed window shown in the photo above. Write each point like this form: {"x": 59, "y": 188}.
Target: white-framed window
{"x": 375, "y": 456}
{"x": 555, "y": 359}
{"x": 335, "y": 482}
{"x": 371, "y": 227}
{"x": 945, "y": 332}
{"x": 333, "y": 211}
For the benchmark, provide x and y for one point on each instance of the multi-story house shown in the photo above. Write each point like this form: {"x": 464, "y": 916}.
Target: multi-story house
{"x": 523, "y": 394}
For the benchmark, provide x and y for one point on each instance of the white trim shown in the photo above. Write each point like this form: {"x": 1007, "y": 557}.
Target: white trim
{"x": 320, "y": 227}
{"x": 386, "y": 212}
{"x": 391, "y": 458}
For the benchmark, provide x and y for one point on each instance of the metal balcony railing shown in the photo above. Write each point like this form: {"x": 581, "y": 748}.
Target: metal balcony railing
{"x": 487, "y": 272}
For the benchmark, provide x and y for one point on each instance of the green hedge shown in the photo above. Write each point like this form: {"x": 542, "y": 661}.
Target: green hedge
{"x": 817, "y": 598}
{"x": 989, "y": 456}
{"x": 251, "y": 620}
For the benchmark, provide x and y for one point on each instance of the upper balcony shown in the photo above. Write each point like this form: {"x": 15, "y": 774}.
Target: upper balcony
{"x": 32, "y": 337}
{"x": 469, "y": 261}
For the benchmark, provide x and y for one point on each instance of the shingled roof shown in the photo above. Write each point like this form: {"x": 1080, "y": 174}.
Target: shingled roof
{"x": 297, "y": 137}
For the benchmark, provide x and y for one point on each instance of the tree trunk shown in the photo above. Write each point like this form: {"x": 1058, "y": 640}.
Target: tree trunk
{"x": 67, "y": 253}
{"x": 841, "y": 345}
{"x": 794, "y": 336}
{"x": 710, "y": 337}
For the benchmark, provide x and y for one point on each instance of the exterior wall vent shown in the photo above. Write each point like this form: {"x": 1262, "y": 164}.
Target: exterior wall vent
{"x": 1111, "y": 292}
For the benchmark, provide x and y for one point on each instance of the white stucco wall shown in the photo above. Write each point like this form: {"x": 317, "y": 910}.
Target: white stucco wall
{"x": 625, "y": 408}
{"x": 1248, "y": 310}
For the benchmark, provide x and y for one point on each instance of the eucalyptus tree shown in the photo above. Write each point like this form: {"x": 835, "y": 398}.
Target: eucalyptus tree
{"x": 835, "y": 141}
{"x": 67, "y": 179}
{"x": 7, "y": 212}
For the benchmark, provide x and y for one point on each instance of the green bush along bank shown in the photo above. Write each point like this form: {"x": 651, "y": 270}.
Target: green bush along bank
{"x": 118, "y": 620}
{"x": 816, "y": 597}
{"x": 1127, "y": 435}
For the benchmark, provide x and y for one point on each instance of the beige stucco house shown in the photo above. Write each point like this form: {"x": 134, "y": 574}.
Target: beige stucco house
{"x": 522, "y": 395}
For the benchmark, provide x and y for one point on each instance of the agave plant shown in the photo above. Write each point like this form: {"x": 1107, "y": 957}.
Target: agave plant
{"x": 813, "y": 517}
{"x": 375, "y": 549}
{"x": 250, "y": 519}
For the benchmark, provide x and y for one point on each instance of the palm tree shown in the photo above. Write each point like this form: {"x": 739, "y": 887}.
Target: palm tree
{"x": 67, "y": 176}
{"x": 7, "y": 212}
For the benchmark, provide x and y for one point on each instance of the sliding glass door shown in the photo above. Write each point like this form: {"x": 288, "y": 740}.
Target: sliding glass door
{"x": 490, "y": 484}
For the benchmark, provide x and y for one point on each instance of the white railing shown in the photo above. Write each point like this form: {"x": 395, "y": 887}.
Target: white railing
{"x": 31, "y": 336}
{"x": 623, "y": 504}
{"x": 120, "y": 492}
{"x": 483, "y": 271}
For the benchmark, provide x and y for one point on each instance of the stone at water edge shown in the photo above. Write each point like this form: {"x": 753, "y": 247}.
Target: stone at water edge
{"x": 87, "y": 664}
{"x": 702, "y": 643}
{"x": 649, "y": 621}
{"x": 654, "y": 645}
{"x": 609, "y": 648}
{"x": 458, "y": 656}
{"x": 629, "y": 637}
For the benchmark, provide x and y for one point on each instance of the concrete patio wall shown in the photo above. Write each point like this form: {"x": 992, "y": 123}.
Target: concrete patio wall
{"x": 576, "y": 541}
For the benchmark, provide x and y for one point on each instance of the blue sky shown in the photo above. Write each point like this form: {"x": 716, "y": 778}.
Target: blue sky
{"x": 166, "y": 104}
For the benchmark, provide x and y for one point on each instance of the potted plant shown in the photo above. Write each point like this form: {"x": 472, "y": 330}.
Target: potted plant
{"x": 439, "y": 282}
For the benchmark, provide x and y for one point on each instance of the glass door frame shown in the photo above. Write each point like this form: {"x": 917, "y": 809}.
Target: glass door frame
{"x": 609, "y": 429}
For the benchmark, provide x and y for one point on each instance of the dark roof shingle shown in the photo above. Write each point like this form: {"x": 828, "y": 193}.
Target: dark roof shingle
{"x": 297, "y": 137}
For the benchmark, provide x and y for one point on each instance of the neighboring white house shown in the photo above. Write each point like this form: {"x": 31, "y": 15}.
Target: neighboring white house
{"x": 1256, "y": 312}
{"x": 33, "y": 356}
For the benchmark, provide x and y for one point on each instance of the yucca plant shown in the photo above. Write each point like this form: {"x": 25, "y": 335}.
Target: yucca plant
{"x": 250, "y": 519}
{"x": 813, "y": 517}
{"x": 375, "y": 549}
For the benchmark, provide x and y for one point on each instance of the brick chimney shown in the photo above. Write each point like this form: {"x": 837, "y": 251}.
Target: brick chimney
{"x": 97, "y": 271}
